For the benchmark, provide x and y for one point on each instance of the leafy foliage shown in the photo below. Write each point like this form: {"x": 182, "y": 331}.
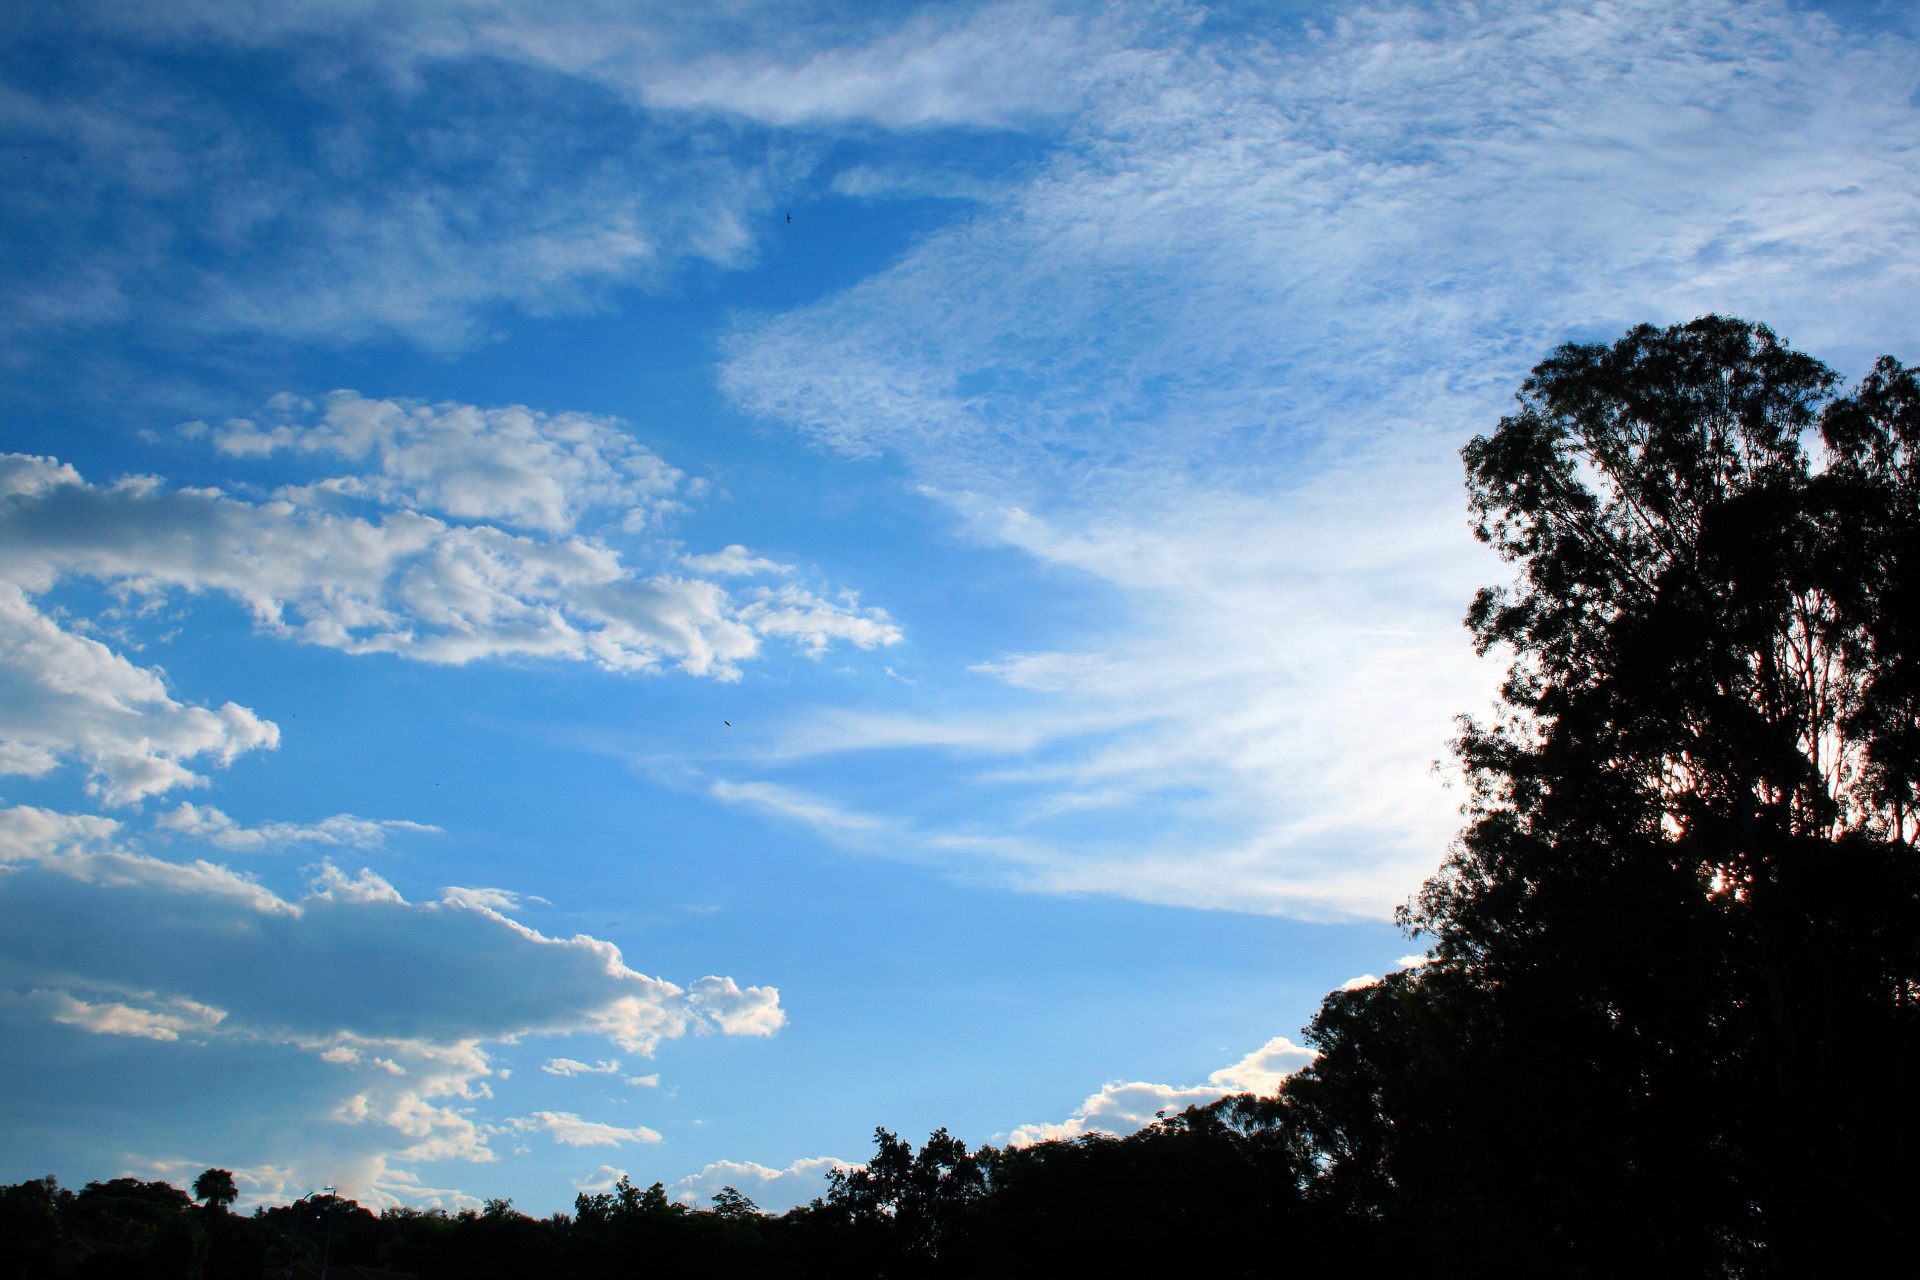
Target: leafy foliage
{"x": 1677, "y": 944}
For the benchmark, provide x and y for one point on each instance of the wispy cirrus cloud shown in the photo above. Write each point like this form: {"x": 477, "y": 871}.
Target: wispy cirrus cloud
{"x": 574, "y": 1067}
{"x": 1218, "y": 353}
{"x": 206, "y": 823}
{"x": 416, "y": 178}
{"x": 994, "y": 65}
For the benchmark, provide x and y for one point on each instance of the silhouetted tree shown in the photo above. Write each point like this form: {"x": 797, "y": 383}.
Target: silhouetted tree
{"x": 904, "y": 1212}
{"x": 215, "y": 1188}
{"x": 728, "y": 1202}
{"x": 1676, "y": 946}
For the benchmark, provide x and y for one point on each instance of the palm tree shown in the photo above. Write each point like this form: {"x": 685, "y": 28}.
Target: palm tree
{"x": 215, "y": 1186}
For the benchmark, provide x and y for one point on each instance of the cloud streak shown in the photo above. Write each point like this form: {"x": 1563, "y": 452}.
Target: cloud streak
{"x": 342, "y": 830}
{"x": 570, "y": 1130}
{"x": 1265, "y": 285}
{"x": 413, "y": 177}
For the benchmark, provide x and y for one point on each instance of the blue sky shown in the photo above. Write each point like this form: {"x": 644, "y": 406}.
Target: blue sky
{"x": 522, "y": 663}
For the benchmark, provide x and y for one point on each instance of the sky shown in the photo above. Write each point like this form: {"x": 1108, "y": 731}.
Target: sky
{"x": 600, "y": 589}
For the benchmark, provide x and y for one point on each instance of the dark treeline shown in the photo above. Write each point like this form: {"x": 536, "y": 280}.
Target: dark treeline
{"x": 1211, "y": 1186}
{"x": 1669, "y": 1021}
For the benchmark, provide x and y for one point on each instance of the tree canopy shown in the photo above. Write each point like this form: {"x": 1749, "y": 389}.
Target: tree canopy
{"x": 1668, "y": 1021}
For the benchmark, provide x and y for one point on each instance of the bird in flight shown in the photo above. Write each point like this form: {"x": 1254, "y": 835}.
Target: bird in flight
{"x": 727, "y": 723}
{"x": 789, "y": 217}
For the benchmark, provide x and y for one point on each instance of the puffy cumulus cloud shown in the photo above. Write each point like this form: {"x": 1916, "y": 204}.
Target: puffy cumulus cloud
{"x": 570, "y": 1130}
{"x": 802, "y": 616}
{"x": 433, "y": 1133}
{"x": 214, "y": 827}
{"x": 331, "y": 884}
{"x": 1118, "y": 1109}
{"x": 754, "y": 1011}
{"x": 1122, "y": 1108}
{"x": 774, "y": 1190}
{"x": 734, "y": 561}
{"x": 407, "y": 584}
{"x": 605, "y": 1178}
{"x": 510, "y": 465}
{"x": 1262, "y": 1070}
{"x": 85, "y": 849}
{"x": 395, "y": 1003}
{"x": 69, "y": 697}
{"x": 1269, "y": 283}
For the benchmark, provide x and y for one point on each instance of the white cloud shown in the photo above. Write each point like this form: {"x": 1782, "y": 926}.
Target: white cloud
{"x": 400, "y": 1000}
{"x": 66, "y": 696}
{"x": 1001, "y": 64}
{"x": 1118, "y": 1109}
{"x": 734, "y": 561}
{"x": 117, "y": 1018}
{"x": 785, "y": 802}
{"x": 774, "y": 1190}
{"x": 1262, "y": 1070}
{"x": 1122, "y": 1108}
{"x": 216, "y": 828}
{"x": 511, "y": 465}
{"x": 456, "y": 176}
{"x": 571, "y": 1131}
{"x": 82, "y": 848}
{"x": 409, "y": 584}
{"x": 1217, "y": 356}
{"x": 331, "y": 884}
{"x": 573, "y": 1067}
{"x": 489, "y": 899}
{"x": 605, "y": 1178}
{"x": 800, "y": 615}
{"x": 754, "y": 1011}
